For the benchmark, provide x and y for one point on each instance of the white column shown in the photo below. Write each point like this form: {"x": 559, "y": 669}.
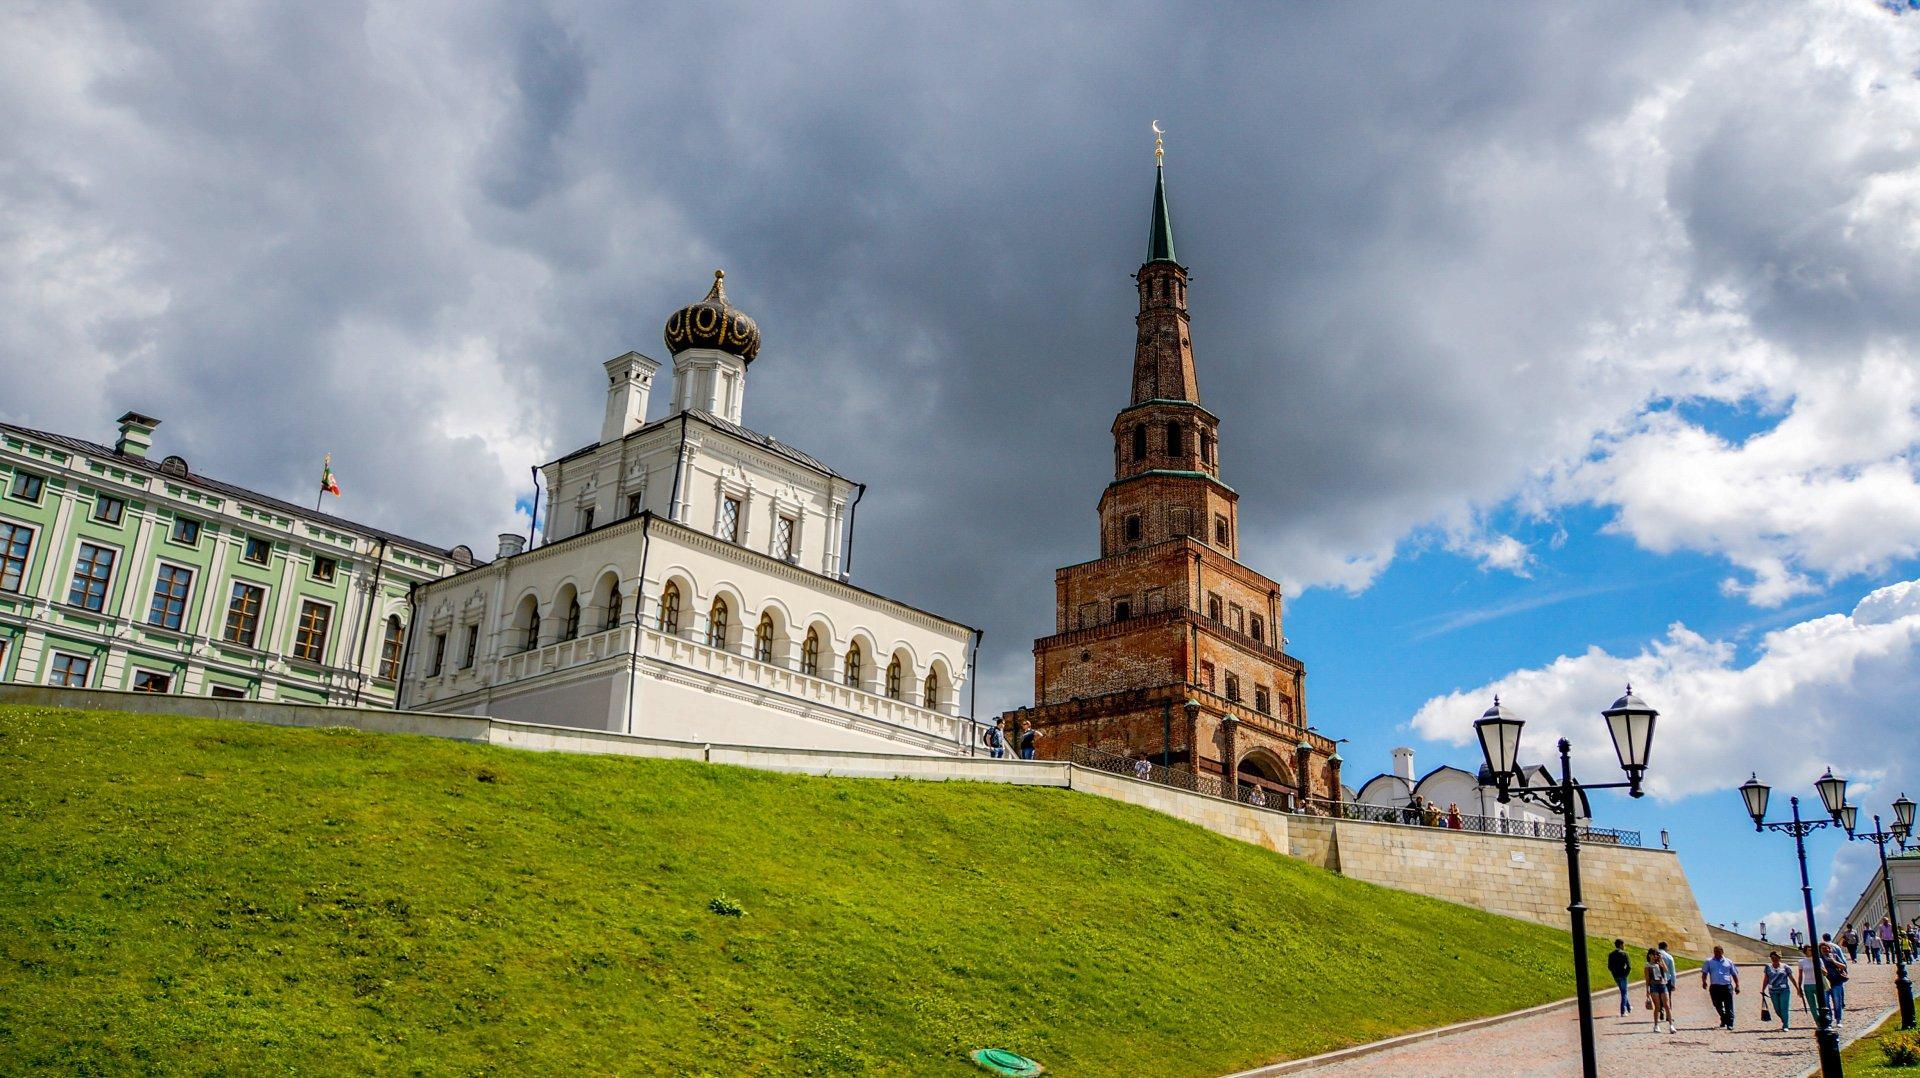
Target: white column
{"x": 142, "y": 541}
{"x": 56, "y": 577}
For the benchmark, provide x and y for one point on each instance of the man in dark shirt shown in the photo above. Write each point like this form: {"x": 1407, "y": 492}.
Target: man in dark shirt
{"x": 1621, "y": 966}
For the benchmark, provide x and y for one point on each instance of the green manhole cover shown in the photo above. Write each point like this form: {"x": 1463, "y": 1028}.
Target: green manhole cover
{"x": 1011, "y": 1064}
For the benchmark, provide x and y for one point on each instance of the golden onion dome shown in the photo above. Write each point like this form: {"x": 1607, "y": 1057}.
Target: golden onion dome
{"x": 713, "y": 323}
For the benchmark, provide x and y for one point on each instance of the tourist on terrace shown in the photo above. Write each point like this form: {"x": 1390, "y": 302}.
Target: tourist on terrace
{"x": 1659, "y": 992}
{"x": 1430, "y": 814}
{"x": 996, "y": 741}
{"x": 1721, "y": 979}
{"x": 1781, "y": 985}
{"x": 1143, "y": 768}
{"x": 1026, "y": 739}
{"x": 1453, "y": 817}
{"x": 1620, "y": 964}
{"x": 1256, "y": 798}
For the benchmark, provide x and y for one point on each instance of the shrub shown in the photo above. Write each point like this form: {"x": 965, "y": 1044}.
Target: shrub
{"x": 725, "y": 907}
{"x": 1901, "y": 1049}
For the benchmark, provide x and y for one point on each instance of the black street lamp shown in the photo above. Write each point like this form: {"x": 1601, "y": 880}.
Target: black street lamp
{"x": 1880, "y": 836}
{"x": 1630, "y": 721}
{"x": 1833, "y": 794}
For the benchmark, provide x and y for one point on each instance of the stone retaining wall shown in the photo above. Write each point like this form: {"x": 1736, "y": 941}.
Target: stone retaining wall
{"x": 1641, "y": 895}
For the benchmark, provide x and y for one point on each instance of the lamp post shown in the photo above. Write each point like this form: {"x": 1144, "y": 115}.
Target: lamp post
{"x": 1833, "y": 795}
{"x": 1630, "y": 721}
{"x": 1880, "y": 836}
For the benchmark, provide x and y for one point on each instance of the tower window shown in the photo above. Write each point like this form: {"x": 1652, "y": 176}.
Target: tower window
{"x": 1206, "y": 676}
{"x": 1262, "y": 699}
{"x": 1233, "y": 687}
{"x": 1174, "y": 441}
{"x": 1206, "y": 448}
{"x": 1257, "y": 628}
{"x": 1220, "y": 532}
{"x": 1122, "y": 609}
{"x": 1139, "y": 441}
{"x": 1180, "y": 521}
{"x": 1133, "y": 528}
{"x": 1213, "y": 607}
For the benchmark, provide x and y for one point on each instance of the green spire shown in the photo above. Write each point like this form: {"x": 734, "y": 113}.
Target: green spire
{"x": 1160, "y": 242}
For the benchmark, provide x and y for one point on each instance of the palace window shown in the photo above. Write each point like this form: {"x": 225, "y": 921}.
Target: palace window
{"x": 633, "y": 505}
{"x": 243, "y": 614}
{"x": 1262, "y": 699}
{"x": 226, "y": 692}
{"x": 27, "y": 487}
{"x": 1213, "y": 607}
{"x": 783, "y": 538}
{"x": 1122, "y": 609}
{"x": 108, "y": 509}
{"x": 1257, "y": 628}
{"x": 586, "y": 518}
{"x": 853, "y": 665}
{"x": 717, "y": 624}
{"x": 1139, "y": 441}
{"x": 893, "y": 679}
{"x": 1220, "y": 532}
{"x": 570, "y": 626}
{"x": 763, "y": 639}
{"x": 471, "y": 653}
{"x": 930, "y": 692}
{"x": 1174, "y": 446}
{"x": 439, "y": 655}
{"x": 325, "y": 568}
{"x": 148, "y": 681}
{"x": 1133, "y": 528}
{"x": 310, "y": 633}
{"x": 1233, "y": 687}
{"x": 1206, "y": 676}
{"x": 533, "y": 628}
{"x": 92, "y": 571}
{"x": 614, "y": 601}
{"x": 391, "y": 643}
{"x": 15, "y": 541}
{"x": 170, "y": 590}
{"x": 810, "y": 654}
{"x": 70, "y": 671}
{"x": 730, "y": 519}
{"x": 186, "y": 531}
{"x": 258, "y": 551}
{"x": 670, "y": 610}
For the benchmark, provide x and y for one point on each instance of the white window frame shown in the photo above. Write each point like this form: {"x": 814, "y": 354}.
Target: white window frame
{"x": 13, "y": 481}
{"x": 248, "y": 539}
{"x": 720, "y": 525}
{"x": 293, "y": 631}
{"x": 314, "y": 558}
{"x": 106, "y": 597}
{"x": 134, "y": 672}
{"x": 26, "y": 561}
{"x": 261, "y": 624}
{"x": 53, "y": 658}
{"x": 101, "y": 497}
{"x": 153, "y": 588}
{"x": 173, "y": 530}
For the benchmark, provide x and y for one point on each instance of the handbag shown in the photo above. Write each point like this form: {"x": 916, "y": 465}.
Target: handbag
{"x": 1765, "y": 1014}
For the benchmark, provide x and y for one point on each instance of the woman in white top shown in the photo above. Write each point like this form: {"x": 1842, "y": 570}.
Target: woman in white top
{"x": 1809, "y": 987}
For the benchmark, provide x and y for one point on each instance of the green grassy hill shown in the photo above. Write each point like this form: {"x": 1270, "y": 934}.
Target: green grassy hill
{"x": 190, "y": 894}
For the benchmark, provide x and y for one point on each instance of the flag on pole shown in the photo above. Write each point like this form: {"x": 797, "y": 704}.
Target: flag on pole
{"x": 328, "y": 484}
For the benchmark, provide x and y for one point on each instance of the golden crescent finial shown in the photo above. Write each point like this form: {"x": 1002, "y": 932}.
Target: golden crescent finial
{"x": 1159, "y": 147}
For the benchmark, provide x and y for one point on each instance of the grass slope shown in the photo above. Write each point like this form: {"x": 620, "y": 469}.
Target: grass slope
{"x": 190, "y": 894}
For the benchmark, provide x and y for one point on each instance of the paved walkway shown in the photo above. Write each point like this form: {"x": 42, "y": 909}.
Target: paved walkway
{"x": 1549, "y": 1043}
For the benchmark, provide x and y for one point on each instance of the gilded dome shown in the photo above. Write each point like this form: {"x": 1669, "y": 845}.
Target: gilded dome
{"x": 714, "y": 323}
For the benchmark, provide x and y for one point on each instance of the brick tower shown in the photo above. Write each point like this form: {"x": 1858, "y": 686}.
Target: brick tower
{"x": 1166, "y": 645}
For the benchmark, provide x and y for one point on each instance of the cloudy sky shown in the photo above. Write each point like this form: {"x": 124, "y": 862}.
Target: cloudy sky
{"x": 1554, "y": 344}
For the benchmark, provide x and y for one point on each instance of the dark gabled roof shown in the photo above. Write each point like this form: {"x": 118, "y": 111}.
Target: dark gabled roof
{"x": 191, "y": 478}
{"x": 728, "y": 427}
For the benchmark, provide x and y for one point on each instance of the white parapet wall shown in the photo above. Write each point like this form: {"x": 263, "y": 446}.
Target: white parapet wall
{"x": 1637, "y": 893}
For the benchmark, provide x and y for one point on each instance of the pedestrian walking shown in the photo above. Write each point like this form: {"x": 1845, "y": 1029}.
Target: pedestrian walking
{"x": 1659, "y": 992}
{"x": 1143, "y": 769}
{"x": 1810, "y": 988}
{"x": 1673, "y": 977}
{"x": 1026, "y": 740}
{"x": 1851, "y": 941}
{"x": 1721, "y": 979}
{"x": 1620, "y": 965}
{"x": 1836, "y": 971}
{"x": 1888, "y": 940}
{"x": 1780, "y": 984}
{"x": 1871, "y": 937}
{"x": 995, "y": 741}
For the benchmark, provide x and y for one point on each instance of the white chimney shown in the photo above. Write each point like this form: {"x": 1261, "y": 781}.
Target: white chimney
{"x": 511, "y": 543}
{"x": 629, "y": 381}
{"x": 136, "y": 435}
{"x": 1403, "y": 763}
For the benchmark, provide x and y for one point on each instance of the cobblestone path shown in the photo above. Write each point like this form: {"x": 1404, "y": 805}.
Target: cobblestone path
{"x": 1549, "y": 1043}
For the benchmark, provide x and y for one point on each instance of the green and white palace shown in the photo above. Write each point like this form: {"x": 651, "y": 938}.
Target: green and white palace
{"x": 121, "y": 572}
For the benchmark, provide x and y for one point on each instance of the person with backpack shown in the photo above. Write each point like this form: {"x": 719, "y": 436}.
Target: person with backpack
{"x": 1780, "y": 985}
{"x": 995, "y": 741}
{"x": 1620, "y": 965}
{"x": 1836, "y": 971}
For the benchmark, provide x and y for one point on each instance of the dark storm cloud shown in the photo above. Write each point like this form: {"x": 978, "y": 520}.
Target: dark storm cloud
{"x": 409, "y": 236}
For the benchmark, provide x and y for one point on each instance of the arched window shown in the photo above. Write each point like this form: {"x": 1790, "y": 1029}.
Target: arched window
{"x": 1257, "y": 628}
{"x": 717, "y": 624}
{"x": 390, "y": 647}
{"x": 613, "y": 606}
{"x": 893, "y": 679}
{"x": 533, "y": 629}
{"x": 1174, "y": 448}
{"x": 810, "y": 654}
{"x": 570, "y": 628}
{"x": 930, "y": 696}
{"x": 853, "y": 665}
{"x": 1139, "y": 441}
{"x": 670, "y": 610}
{"x": 763, "y": 639}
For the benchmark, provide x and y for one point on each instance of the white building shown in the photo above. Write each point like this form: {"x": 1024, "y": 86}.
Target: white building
{"x": 691, "y": 585}
{"x": 1447, "y": 785}
{"x": 1903, "y": 870}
